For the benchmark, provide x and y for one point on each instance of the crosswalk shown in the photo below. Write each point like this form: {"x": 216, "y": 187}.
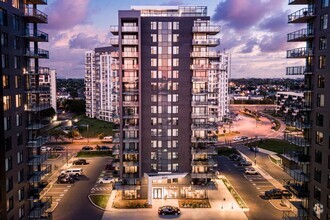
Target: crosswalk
{"x": 101, "y": 189}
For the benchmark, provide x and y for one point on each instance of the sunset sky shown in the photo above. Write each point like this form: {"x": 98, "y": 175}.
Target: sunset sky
{"x": 252, "y": 31}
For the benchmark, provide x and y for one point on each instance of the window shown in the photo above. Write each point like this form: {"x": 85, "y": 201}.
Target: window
{"x": 176, "y": 25}
{"x": 4, "y": 39}
{"x": 20, "y": 194}
{"x": 20, "y": 175}
{"x": 8, "y": 163}
{"x": 8, "y": 143}
{"x": 17, "y": 43}
{"x": 9, "y": 184}
{"x": 19, "y": 100}
{"x": 323, "y": 43}
{"x": 19, "y": 157}
{"x": 153, "y": 50}
{"x": 319, "y": 119}
{"x": 5, "y": 61}
{"x": 317, "y": 193}
{"x": 176, "y": 62}
{"x": 318, "y": 156}
{"x": 153, "y": 37}
{"x": 10, "y": 203}
{"x": 319, "y": 137}
{"x": 328, "y": 184}
{"x": 175, "y": 50}
{"x": 175, "y": 155}
{"x": 320, "y": 100}
{"x": 19, "y": 136}
{"x": 153, "y": 61}
{"x": 153, "y": 156}
{"x": 153, "y": 25}
{"x": 17, "y": 62}
{"x": 175, "y": 167}
{"x": 5, "y": 81}
{"x": 15, "y": 3}
{"x": 175, "y": 74}
{"x": 7, "y": 123}
{"x": 324, "y": 22}
{"x": 322, "y": 62}
{"x": 15, "y": 21}
{"x": 21, "y": 212}
{"x": 3, "y": 17}
{"x": 324, "y": 3}
{"x": 175, "y": 37}
{"x": 153, "y": 167}
{"x": 320, "y": 81}
{"x": 19, "y": 119}
{"x": 6, "y": 102}
{"x": 18, "y": 82}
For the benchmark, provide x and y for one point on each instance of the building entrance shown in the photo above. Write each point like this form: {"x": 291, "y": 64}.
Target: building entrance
{"x": 157, "y": 193}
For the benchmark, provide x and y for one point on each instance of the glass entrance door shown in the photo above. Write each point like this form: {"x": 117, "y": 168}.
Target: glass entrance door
{"x": 157, "y": 193}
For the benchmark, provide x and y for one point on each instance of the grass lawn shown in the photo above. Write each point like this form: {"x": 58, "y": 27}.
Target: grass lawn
{"x": 275, "y": 145}
{"x": 95, "y": 127}
{"x": 100, "y": 200}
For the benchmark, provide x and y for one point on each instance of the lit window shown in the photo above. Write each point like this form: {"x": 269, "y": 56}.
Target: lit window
{"x": 176, "y": 25}
{"x": 175, "y": 50}
{"x": 323, "y": 43}
{"x": 319, "y": 137}
{"x": 324, "y": 22}
{"x": 320, "y": 100}
{"x": 153, "y": 25}
{"x": 175, "y": 37}
{"x": 153, "y": 50}
{"x": 322, "y": 61}
{"x": 324, "y": 3}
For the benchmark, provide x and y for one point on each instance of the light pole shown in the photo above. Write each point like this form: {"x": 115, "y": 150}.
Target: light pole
{"x": 67, "y": 156}
{"x": 88, "y": 133}
{"x": 255, "y": 155}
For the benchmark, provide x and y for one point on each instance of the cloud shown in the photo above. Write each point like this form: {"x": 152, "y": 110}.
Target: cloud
{"x": 174, "y": 2}
{"x": 276, "y": 22}
{"x": 64, "y": 14}
{"x": 83, "y": 41}
{"x": 243, "y": 14}
{"x": 249, "y": 45}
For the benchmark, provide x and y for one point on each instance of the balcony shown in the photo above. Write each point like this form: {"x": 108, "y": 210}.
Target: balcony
{"x": 38, "y": 90}
{"x": 301, "y": 16}
{"x": 114, "y": 54}
{"x": 204, "y": 162}
{"x": 114, "y": 41}
{"x": 114, "y": 29}
{"x": 40, "y": 54}
{"x": 39, "y": 208}
{"x": 37, "y": 176}
{"x": 302, "y": 52}
{"x": 130, "y": 139}
{"x": 130, "y": 103}
{"x": 130, "y": 163}
{"x": 301, "y": 35}
{"x": 131, "y": 127}
{"x": 200, "y": 91}
{"x": 130, "y": 115}
{"x": 210, "y": 175}
{"x": 131, "y": 175}
{"x": 37, "y": 142}
{"x": 37, "y": 35}
{"x": 204, "y": 66}
{"x": 298, "y": 2}
{"x": 199, "y": 102}
{"x": 199, "y": 115}
{"x": 209, "y": 29}
{"x": 298, "y": 157}
{"x": 207, "y": 54}
{"x": 206, "y": 42}
{"x": 130, "y": 54}
{"x": 129, "y": 29}
{"x": 297, "y": 139}
{"x": 36, "y": 71}
{"x": 114, "y": 66}
{"x": 299, "y": 70}
{"x": 130, "y": 67}
{"x": 33, "y": 15}
{"x": 36, "y": 107}
{"x": 37, "y": 2}
{"x": 206, "y": 126}
{"x": 35, "y": 126}
{"x": 206, "y": 150}
{"x": 204, "y": 139}
{"x": 130, "y": 91}
{"x": 130, "y": 151}
{"x": 129, "y": 41}
{"x": 37, "y": 159}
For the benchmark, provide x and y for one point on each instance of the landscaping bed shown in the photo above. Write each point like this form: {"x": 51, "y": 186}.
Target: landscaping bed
{"x": 131, "y": 204}
{"x": 94, "y": 154}
{"x": 100, "y": 200}
{"x": 275, "y": 145}
{"x": 194, "y": 203}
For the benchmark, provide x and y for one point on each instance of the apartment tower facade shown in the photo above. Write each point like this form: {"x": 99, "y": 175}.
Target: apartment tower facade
{"x": 315, "y": 136}
{"x": 167, "y": 131}
{"x": 102, "y": 84}
{"x": 22, "y": 169}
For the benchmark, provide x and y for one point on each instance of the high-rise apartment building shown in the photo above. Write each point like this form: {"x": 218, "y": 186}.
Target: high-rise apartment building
{"x": 168, "y": 108}
{"x": 102, "y": 81}
{"x": 21, "y": 161}
{"x": 313, "y": 174}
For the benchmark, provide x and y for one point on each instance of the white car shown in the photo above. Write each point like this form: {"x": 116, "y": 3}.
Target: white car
{"x": 106, "y": 180}
{"x": 250, "y": 171}
{"x": 237, "y": 138}
{"x": 44, "y": 148}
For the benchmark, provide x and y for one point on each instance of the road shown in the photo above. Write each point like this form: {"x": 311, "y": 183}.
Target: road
{"x": 259, "y": 208}
{"x": 75, "y": 204}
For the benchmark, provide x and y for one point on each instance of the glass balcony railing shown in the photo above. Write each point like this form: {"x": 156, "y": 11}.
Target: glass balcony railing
{"x": 39, "y": 208}
{"x": 207, "y": 54}
{"x": 37, "y": 54}
{"x": 129, "y": 29}
{"x": 38, "y": 159}
{"x": 36, "y": 107}
{"x": 204, "y": 66}
{"x": 114, "y": 54}
{"x": 37, "y": 142}
{"x": 299, "y": 70}
{"x": 206, "y": 29}
{"x": 301, "y": 16}
{"x": 114, "y": 41}
{"x": 130, "y": 54}
{"x": 35, "y": 16}
{"x": 36, "y": 35}
{"x": 298, "y": 140}
{"x": 206, "y": 41}
{"x": 300, "y": 35}
{"x": 130, "y": 66}
{"x": 129, "y": 41}
{"x": 36, "y": 71}
{"x": 298, "y": 2}
{"x": 114, "y": 29}
{"x": 302, "y": 52}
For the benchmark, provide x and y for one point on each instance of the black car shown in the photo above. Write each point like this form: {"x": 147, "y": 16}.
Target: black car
{"x": 87, "y": 148}
{"x": 63, "y": 178}
{"x": 58, "y": 148}
{"x": 104, "y": 148}
{"x": 169, "y": 210}
{"x": 79, "y": 162}
{"x": 244, "y": 163}
{"x": 277, "y": 194}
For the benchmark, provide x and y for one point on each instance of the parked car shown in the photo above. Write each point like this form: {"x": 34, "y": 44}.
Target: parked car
{"x": 169, "y": 210}
{"x": 237, "y": 138}
{"x": 244, "y": 163}
{"x": 277, "y": 194}
{"x": 64, "y": 178}
{"x": 78, "y": 137}
{"x": 106, "y": 180}
{"x": 107, "y": 139}
{"x": 254, "y": 149}
{"x": 251, "y": 171}
{"x": 104, "y": 148}
{"x": 109, "y": 167}
{"x": 75, "y": 171}
{"x": 80, "y": 162}
{"x": 44, "y": 148}
{"x": 235, "y": 157}
{"x": 87, "y": 148}
{"x": 58, "y": 148}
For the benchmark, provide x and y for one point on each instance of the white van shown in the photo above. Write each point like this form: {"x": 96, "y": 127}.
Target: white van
{"x": 107, "y": 139}
{"x": 74, "y": 171}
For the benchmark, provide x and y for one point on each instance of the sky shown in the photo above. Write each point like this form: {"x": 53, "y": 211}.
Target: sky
{"x": 253, "y": 32}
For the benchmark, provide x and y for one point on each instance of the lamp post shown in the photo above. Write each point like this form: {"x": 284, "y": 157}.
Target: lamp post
{"x": 67, "y": 155}
{"x": 88, "y": 133}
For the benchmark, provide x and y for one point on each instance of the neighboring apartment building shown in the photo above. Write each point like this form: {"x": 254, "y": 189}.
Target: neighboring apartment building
{"x": 49, "y": 80}
{"x": 102, "y": 81}
{"x": 167, "y": 129}
{"x": 21, "y": 161}
{"x": 316, "y": 102}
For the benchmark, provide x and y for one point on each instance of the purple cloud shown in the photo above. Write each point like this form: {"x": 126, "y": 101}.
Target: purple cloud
{"x": 276, "y": 22}
{"x": 249, "y": 45}
{"x": 174, "y": 2}
{"x": 82, "y": 41}
{"x": 243, "y": 14}
{"x": 64, "y": 14}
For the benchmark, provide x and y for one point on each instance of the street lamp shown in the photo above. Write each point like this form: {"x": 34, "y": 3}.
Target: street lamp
{"x": 88, "y": 133}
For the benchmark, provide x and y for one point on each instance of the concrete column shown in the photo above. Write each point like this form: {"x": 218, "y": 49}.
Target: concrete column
{"x": 149, "y": 190}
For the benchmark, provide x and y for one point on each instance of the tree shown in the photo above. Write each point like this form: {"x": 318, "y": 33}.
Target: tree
{"x": 50, "y": 112}
{"x": 56, "y": 133}
{"x": 101, "y": 136}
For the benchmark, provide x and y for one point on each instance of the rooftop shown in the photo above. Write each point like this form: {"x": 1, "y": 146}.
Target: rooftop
{"x": 170, "y": 11}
